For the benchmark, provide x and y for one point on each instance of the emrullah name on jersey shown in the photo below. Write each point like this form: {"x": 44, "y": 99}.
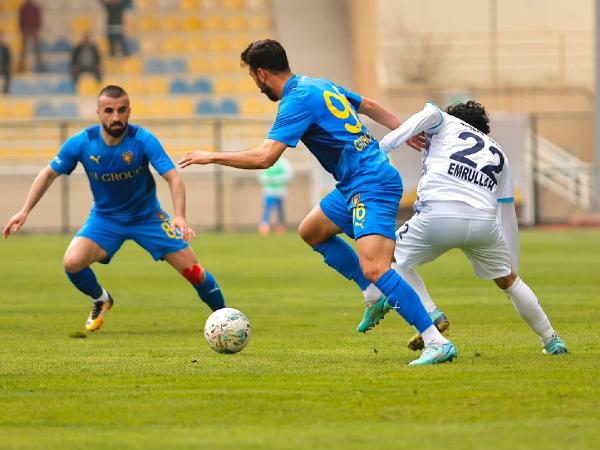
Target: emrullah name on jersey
{"x": 471, "y": 175}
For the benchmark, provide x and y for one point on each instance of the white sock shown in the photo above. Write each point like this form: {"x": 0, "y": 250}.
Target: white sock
{"x": 416, "y": 282}
{"x": 432, "y": 336}
{"x": 103, "y": 297}
{"x": 372, "y": 294}
{"x": 528, "y": 306}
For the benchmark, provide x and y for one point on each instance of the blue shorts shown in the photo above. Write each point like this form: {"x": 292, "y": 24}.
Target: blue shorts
{"x": 153, "y": 234}
{"x": 366, "y": 212}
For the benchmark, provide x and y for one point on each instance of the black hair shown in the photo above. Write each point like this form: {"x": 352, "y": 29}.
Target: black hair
{"x": 471, "y": 112}
{"x": 112, "y": 91}
{"x": 265, "y": 54}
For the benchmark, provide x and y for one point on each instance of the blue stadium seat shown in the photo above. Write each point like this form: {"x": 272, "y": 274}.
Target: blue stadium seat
{"x": 45, "y": 46}
{"x": 68, "y": 110}
{"x": 176, "y": 65}
{"x": 61, "y": 45}
{"x": 42, "y": 88}
{"x": 229, "y": 106}
{"x": 154, "y": 65}
{"x": 45, "y": 109}
{"x": 179, "y": 86}
{"x": 61, "y": 66}
{"x": 64, "y": 87}
{"x": 206, "y": 107}
{"x": 133, "y": 46}
{"x": 20, "y": 87}
{"x": 203, "y": 86}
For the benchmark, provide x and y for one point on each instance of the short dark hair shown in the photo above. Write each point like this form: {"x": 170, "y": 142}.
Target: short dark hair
{"x": 112, "y": 91}
{"x": 471, "y": 112}
{"x": 265, "y": 54}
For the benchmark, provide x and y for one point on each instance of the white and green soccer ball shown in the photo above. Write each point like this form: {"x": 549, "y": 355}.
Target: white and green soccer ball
{"x": 227, "y": 330}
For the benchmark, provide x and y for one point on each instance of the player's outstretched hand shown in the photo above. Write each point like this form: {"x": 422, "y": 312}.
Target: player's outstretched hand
{"x": 14, "y": 224}
{"x": 417, "y": 142}
{"x": 198, "y": 157}
{"x": 180, "y": 223}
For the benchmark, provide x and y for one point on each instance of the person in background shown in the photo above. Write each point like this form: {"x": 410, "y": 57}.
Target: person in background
{"x": 5, "y": 61}
{"x": 274, "y": 182}
{"x": 85, "y": 57}
{"x": 115, "y": 10}
{"x": 30, "y": 24}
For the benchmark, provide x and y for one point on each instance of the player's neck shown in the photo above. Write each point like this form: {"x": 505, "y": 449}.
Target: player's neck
{"x": 280, "y": 83}
{"x": 111, "y": 140}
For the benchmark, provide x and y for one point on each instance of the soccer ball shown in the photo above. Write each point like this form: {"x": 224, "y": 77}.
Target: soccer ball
{"x": 227, "y": 330}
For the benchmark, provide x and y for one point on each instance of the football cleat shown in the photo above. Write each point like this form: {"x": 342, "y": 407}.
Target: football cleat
{"x": 96, "y": 317}
{"x": 373, "y": 314}
{"x": 440, "y": 321}
{"x": 556, "y": 346}
{"x": 436, "y": 354}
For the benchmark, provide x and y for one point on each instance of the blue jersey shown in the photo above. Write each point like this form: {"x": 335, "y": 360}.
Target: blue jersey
{"x": 323, "y": 116}
{"x": 119, "y": 175}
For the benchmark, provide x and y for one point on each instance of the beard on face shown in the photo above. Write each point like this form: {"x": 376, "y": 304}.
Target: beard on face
{"x": 115, "y": 129}
{"x": 264, "y": 89}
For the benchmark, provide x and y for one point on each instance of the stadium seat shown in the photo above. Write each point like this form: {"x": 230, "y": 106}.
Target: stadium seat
{"x": 189, "y": 5}
{"x": 214, "y": 23}
{"x": 68, "y": 110}
{"x": 234, "y": 5}
{"x": 61, "y": 45}
{"x": 82, "y": 24}
{"x": 179, "y": 86}
{"x": 199, "y": 65}
{"x": 133, "y": 46}
{"x": 88, "y": 85}
{"x": 21, "y": 87}
{"x": 205, "y": 107}
{"x": 236, "y": 23}
{"x": 218, "y": 44}
{"x": 170, "y": 23}
{"x": 173, "y": 44}
{"x": 45, "y": 46}
{"x": 22, "y": 109}
{"x": 45, "y": 109}
{"x": 182, "y": 107}
{"x": 202, "y": 86}
{"x": 192, "y": 23}
{"x": 157, "y": 85}
{"x": 64, "y": 87}
{"x": 225, "y": 86}
{"x": 148, "y": 23}
{"x": 176, "y": 65}
{"x": 154, "y": 65}
{"x": 132, "y": 65}
{"x": 229, "y": 106}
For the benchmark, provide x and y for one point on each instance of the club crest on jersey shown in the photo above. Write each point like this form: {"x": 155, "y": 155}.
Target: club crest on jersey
{"x": 356, "y": 199}
{"x": 96, "y": 159}
{"x": 161, "y": 215}
{"x": 127, "y": 157}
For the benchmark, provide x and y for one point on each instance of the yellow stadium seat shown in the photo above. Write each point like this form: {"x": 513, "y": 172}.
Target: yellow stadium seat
{"x": 239, "y": 43}
{"x": 195, "y": 44}
{"x": 192, "y": 23}
{"x": 199, "y": 65}
{"x": 225, "y": 86}
{"x": 259, "y": 22}
{"x": 182, "y": 107}
{"x": 189, "y": 5}
{"x": 88, "y": 85}
{"x": 247, "y": 85}
{"x": 4, "y": 109}
{"x": 251, "y": 107}
{"x": 157, "y": 85}
{"x": 170, "y": 23}
{"x": 132, "y": 64}
{"x": 8, "y": 6}
{"x": 236, "y": 23}
{"x": 223, "y": 64}
{"x": 173, "y": 44}
{"x": 22, "y": 109}
{"x": 148, "y": 23}
{"x": 82, "y": 24}
{"x": 150, "y": 44}
{"x": 235, "y": 5}
{"x": 11, "y": 24}
{"x": 214, "y": 23}
{"x": 218, "y": 43}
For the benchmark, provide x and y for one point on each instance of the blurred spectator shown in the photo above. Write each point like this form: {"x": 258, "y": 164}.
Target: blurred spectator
{"x": 5, "y": 68}
{"x": 85, "y": 57}
{"x": 30, "y": 24}
{"x": 274, "y": 181}
{"x": 115, "y": 10}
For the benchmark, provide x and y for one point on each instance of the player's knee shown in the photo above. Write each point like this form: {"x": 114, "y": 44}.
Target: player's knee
{"x": 308, "y": 233}
{"x": 195, "y": 274}
{"x": 506, "y": 281}
{"x": 73, "y": 264}
{"x": 373, "y": 270}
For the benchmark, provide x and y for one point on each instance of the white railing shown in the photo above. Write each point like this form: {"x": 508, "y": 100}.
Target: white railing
{"x": 562, "y": 173}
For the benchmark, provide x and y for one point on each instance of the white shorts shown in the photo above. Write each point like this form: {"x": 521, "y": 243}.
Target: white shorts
{"x": 423, "y": 238}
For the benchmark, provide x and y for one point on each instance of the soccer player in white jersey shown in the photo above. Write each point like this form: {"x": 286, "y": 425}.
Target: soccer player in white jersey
{"x": 464, "y": 200}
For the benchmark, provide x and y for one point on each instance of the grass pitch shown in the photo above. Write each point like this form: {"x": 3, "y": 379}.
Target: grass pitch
{"x": 147, "y": 380}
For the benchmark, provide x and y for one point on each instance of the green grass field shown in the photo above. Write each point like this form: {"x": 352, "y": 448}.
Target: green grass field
{"x": 307, "y": 380}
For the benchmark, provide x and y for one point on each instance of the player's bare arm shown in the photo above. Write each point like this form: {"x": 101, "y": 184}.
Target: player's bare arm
{"x": 38, "y": 188}
{"x": 261, "y": 157}
{"x": 385, "y": 117}
{"x": 177, "y": 189}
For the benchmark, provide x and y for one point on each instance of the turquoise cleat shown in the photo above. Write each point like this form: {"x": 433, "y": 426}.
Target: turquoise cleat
{"x": 436, "y": 354}
{"x": 440, "y": 321}
{"x": 373, "y": 314}
{"x": 556, "y": 346}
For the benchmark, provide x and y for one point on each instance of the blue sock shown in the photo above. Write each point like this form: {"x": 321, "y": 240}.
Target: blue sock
{"x": 210, "y": 292}
{"x": 85, "y": 280}
{"x": 342, "y": 257}
{"x": 403, "y": 298}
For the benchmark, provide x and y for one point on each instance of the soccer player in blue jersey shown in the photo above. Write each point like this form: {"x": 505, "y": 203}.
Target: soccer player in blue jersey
{"x": 116, "y": 156}
{"x": 365, "y": 201}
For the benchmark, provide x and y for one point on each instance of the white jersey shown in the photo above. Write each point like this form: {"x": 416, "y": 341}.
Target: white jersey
{"x": 459, "y": 164}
